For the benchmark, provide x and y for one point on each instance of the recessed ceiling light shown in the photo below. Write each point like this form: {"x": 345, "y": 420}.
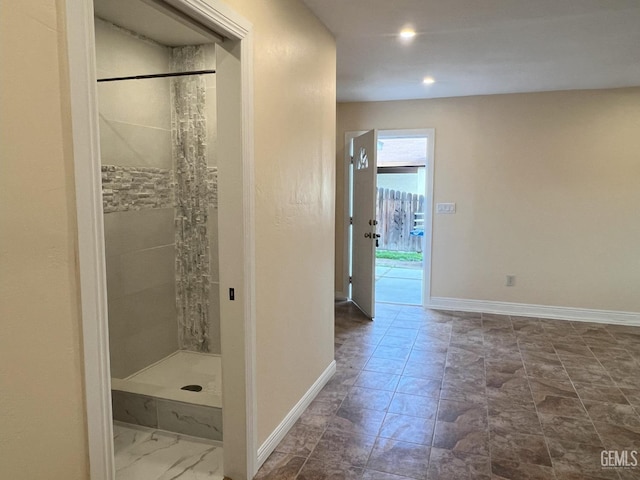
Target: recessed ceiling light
{"x": 428, "y": 80}
{"x": 407, "y": 33}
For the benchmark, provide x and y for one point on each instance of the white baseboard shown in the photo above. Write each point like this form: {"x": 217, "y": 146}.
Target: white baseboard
{"x": 540, "y": 311}
{"x": 281, "y": 430}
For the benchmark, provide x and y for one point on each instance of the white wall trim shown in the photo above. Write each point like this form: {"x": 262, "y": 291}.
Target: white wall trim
{"x": 215, "y": 15}
{"x": 281, "y": 430}
{"x": 540, "y": 311}
{"x": 91, "y": 256}
{"x": 250, "y": 252}
{"x": 427, "y": 246}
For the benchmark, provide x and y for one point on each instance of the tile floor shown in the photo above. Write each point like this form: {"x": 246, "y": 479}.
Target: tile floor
{"x": 450, "y": 395}
{"x": 144, "y": 453}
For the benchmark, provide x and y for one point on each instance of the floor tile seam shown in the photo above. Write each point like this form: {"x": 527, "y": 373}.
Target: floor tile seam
{"x": 636, "y": 408}
{"x": 306, "y": 460}
{"x": 388, "y": 473}
{"x": 542, "y": 363}
{"x": 377, "y": 438}
{"x": 407, "y": 360}
{"x": 591, "y": 420}
{"x": 364, "y": 369}
{"x": 387, "y": 413}
{"x": 552, "y": 467}
{"x": 608, "y": 374}
{"x": 326, "y": 427}
{"x": 373, "y": 388}
{"x": 435, "y": 422}
{"x": 624, "y": 347}
{"x": 610, "y": 424}
{"x": 544, "y": 436}
{"x": 489, "y": 450}
{"x": 375, "y": 442}
{"x": 395, "y": 357}
{"x": 574, "y": 387}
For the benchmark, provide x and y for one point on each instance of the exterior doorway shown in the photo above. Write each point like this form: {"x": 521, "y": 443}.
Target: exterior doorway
{"x": 403, "y": 192}
{"x": 400, "y": 208}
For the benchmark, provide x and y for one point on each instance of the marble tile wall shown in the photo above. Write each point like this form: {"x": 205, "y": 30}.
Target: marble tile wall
{"x": 140, "y": 253}
{"x": 195, "y": 420}
{"x": 134, "y": 116}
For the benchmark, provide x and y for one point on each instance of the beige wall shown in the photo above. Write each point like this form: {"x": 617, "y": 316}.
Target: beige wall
{"x": 294, "y": 150}
{"x": 546, "y": 187}
{"x": 42, "y": 413}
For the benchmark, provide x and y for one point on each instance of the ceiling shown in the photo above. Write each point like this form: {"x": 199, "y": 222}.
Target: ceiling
{"x": 475, "y": 47}
{"x": 154, "y": 20}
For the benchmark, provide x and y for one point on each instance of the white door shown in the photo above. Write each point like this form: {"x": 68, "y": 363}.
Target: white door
{"x": 364, "y": 222}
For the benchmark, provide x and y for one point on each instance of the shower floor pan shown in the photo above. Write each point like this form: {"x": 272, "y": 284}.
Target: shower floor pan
{"x": 166, "y": 378}
{"x": 155, "y": 396}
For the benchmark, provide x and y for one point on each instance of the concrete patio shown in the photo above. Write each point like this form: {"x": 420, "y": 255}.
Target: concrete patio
{"x": 398, "y": 282}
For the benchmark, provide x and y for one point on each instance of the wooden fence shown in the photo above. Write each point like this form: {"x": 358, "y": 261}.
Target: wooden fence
{"x": 396, "y": 215}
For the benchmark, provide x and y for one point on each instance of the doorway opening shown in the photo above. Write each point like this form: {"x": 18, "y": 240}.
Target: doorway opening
{"x": 140, "y": 170}
{"x": 402, "y": 189}
{"x": 400, "y": 208}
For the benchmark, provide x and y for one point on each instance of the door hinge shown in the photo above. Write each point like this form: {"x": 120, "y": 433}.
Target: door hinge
{"x": 351, "y": 159}
{"x": 350, "y": 279}
{"x": 350, "y": 220}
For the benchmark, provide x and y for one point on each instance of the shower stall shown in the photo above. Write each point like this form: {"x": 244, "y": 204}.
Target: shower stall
{"x": 157, "y": 120}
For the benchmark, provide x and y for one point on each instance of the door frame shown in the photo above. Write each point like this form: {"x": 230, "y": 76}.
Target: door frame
{"x": 430, "y": 133}
{"x": 238, "y": 325}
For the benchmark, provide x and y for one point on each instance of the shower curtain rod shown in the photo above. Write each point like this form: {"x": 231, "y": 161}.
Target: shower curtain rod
{"x": 158, "y": 75}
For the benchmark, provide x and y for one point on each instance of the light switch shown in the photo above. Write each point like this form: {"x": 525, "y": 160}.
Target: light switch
{"x": 445, "y": 208}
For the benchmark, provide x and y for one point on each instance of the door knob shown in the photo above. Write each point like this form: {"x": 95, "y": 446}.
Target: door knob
{"x": 368, "y": 235}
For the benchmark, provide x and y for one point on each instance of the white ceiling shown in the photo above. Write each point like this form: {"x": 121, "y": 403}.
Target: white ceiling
{"x": 473, "y": 47}
{"x": 154, "y": 20}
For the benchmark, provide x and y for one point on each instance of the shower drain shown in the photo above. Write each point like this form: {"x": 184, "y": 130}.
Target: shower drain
{"x": 192, "y": 388}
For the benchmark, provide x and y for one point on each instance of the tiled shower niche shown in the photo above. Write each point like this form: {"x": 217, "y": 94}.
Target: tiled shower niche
{"x": 159, "y": 177}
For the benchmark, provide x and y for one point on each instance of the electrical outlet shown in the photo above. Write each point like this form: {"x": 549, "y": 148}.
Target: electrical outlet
{"x": 511, "y": 280}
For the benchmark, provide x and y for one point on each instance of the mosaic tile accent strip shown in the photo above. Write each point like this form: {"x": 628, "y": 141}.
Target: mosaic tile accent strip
{"x": 212, "y": 187}
{"x": 189, "y": 135}
{"x": 135, "y": 188}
